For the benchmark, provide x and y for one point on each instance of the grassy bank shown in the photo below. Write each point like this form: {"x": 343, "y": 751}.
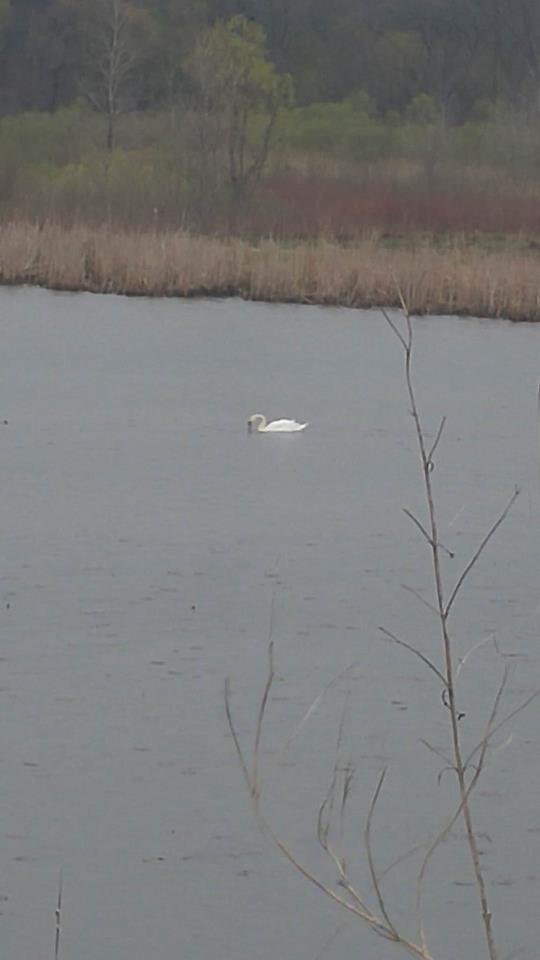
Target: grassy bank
{"x": 458, "y": 276}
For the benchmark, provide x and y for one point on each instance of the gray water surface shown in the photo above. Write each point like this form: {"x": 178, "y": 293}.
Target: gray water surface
{"x": 146, "y": 537}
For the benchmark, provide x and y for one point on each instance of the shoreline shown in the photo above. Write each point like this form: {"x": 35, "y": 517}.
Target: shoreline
{"x": 458, "y": 277}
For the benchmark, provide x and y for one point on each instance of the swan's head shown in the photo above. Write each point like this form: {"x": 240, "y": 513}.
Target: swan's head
{"x": 256, "y": 422}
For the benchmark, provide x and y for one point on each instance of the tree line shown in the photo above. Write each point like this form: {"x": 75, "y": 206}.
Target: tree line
{"x": 138, "y": 54}
{"x": 184, "y": 104}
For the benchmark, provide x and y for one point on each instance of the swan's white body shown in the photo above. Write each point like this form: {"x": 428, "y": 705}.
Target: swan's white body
{"x": 258, "y": 422}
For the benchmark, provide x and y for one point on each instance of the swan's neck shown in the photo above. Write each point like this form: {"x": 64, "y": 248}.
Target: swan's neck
{"x": 261, "y": 421}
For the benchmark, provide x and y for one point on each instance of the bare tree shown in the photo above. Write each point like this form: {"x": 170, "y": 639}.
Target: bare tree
{"x": 116, "y": 33}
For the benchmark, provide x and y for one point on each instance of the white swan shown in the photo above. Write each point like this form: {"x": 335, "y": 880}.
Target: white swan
{"x": 258, "y": 422}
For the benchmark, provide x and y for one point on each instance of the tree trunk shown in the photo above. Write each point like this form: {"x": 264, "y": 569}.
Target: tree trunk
{"x": 110, "y": 131}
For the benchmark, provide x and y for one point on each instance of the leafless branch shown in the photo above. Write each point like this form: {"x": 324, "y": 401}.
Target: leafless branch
{"x": 436, "y": 751}
{"x": 467, "y": 772}
{"x": 395, "y": 328}
{"x": 478, "y": 552}
{"x": 425, "y": 533}
{"x": 417, "y": 522}
{"x": 418, "y": 653}
{"x": 418, "y": 595}
{"x": 443, "y": 611}
{"x": 435, "y": 443}
{"x": 464, "y": 796}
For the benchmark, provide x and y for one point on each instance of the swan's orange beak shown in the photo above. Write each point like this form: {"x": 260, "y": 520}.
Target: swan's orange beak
{"x": 250, "y": 426}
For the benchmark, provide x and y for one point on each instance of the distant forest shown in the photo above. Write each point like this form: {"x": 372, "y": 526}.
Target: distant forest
{"x": 458, "y": 52}
{"x": 189, "y": 104}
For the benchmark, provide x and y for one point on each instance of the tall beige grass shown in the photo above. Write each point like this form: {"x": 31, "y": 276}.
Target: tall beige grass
{"x": 458, "y": 279}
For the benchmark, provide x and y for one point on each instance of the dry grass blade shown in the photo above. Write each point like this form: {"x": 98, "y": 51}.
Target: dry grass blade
{"x": 369, "y": 851}
{"x": 349, "y": 774}
{"x": 324, "y": 816}
{"x": 346, "y": 774}
{"x": 314, "y": 705}
{"x": 510, "y": 716}
{"x": 347, "y": 771}
{"x": 252, "y": 780}
{"x": 477, "y": 646}
{"x": 402, "y": 857}
{"x": 355, "y": 905}
{"x": 260, "y": 718}
{"x": 328, "y": 943}
{"x": 234, "y": 735}
{"x": 58, "y": 916}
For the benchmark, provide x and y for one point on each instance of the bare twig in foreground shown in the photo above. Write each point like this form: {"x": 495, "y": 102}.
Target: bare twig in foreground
{"x": 371, "y": 862}
{"x": 464, "y": 797}
{"x": 58, "y": 916}
{"x": 418, "y": 653}
{"x": 478, "y": 552}
{"x": 351, "y": 900}
{"x": 467, "y": 771}
{"x": 430, "y": 532}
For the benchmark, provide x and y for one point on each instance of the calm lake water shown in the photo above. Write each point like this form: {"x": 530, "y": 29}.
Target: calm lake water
{"x": 145, "y": 536}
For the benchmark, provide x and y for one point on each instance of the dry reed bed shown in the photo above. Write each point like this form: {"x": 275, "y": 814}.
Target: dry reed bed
{"x": 459, "y": 279}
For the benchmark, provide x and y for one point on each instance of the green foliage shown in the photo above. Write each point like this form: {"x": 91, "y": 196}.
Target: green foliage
{"x": 361, "y": 103}
{"x": 40, "y": 138}
{"x": 238, "y": 94}
{"x": 135, "y": 174}
{"x": 422, "y": 109}
{"x": 336, "y": 128}
{"x": 132, "y": 187}
{"x": 352, "y": 130}
{"x": 230, "y": 69}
